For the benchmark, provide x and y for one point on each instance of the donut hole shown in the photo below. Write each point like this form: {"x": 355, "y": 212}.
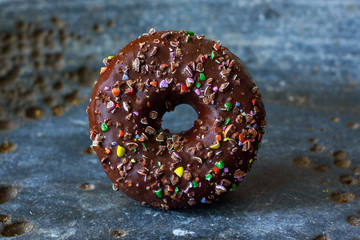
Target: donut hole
{"x": 179, "y": 120}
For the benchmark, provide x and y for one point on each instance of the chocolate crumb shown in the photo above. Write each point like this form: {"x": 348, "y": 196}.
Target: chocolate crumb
{"x": 353, "y": 220}
{"x": 322, "y": 168}
{"x": 342, "y": 197}
{"x": 303, "y": 162}
{"x": 343, "y": 163}
{"x": 353, "y": 125}
{"x": 316, "y": 148}
{"x": 7, "y": 147}
{"x": 348, "y": 180}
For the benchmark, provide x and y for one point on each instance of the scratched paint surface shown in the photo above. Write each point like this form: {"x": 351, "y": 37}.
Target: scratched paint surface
{"x": 304, "y": 57}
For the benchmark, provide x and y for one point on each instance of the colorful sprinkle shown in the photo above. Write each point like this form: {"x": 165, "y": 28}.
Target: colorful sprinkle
{"x": 227, "y": 121}
{"x": 233, "y": 187}
{"x": 187, "y": 38}
{"x": 104, "y": 127}
{"x": 202, "y": 77}
{"x": 179, "y": 171}
{"x": 218, "y": 137}
{"x": 159, "y": 193}
{"x": 120, "y": 151}
{"x": 121, "y": 133}
{"x": 228, "y": 106}
{"x": 115, "y": 187}
{"x": 212, "y": 55}
{"x": 190, "y": 33}
{"x": 107, "y": 150}
{"x": 220, "y": 164}
{"x": 198, "y": 84}
{"x": 216, "y": 170}
{"x": 195, "y": 184}
{"x": 164, "y": 84}
{"x": 114, "y": 143}
{"x": 216, "y": 47}
{"x": 215, "y": 89}
{"x": 197, "y": 91}
{"x": 125, "y": 77}
{"x": 110, "y": 105}
{"x": 215, "y": 146}
{"x": 208, "y": 177}
{"x": 184, "y": 89}
{"x": 176, "y": 190}
{"x": 115, "y": 91}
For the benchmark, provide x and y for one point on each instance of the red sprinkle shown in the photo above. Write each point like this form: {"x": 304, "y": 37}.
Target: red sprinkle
{"x": 148, "y": 104}
{"x": 202, "y": 58}
{"x": 184, "y": 89}
{"x": 216, "y": 47}
{"x": 216, "y": 170}
{"x": 254, "y": 101}
{"x": 130, "y": 92}
{"x": 234, "y": 135}
{"x": 170, "y": 189}
{"x": 242, "y": 139}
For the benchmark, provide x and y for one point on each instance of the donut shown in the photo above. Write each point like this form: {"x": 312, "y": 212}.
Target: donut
{"x": 151, "y": 76}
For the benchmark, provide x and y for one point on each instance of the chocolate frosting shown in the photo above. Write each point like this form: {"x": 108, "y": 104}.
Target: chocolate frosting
{"x": 150, "y": 76}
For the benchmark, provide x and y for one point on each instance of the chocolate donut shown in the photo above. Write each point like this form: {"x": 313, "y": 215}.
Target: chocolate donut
{"x": 149, "y": 77}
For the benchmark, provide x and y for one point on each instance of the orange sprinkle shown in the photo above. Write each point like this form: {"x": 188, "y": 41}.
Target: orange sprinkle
{"x": 115, "y": 92}
{"x": 121, "y": 134}
{"x": 170, "y": 189}
{"x": 197, "y": 179}
{"x": 103, "y": 70}
{"x": 148, "y": 104}
{"x": 218, "y": 137}
{"x": 117, "y": 105}
{"x": 154, "y": 83}
{"x": 107, "y": 150}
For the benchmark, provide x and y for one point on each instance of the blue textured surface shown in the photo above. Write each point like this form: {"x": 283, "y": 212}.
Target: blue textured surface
{"x": 305, "y": 58}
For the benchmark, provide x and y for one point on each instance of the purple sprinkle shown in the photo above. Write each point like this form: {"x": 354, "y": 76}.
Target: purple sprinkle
{"x": 173, "y": 54}
{"x": 110, "y": 105}
{"x": 136, "y": 113}
{"x": 164, "y": 84}
{"x": 107, "y": 88}
{"x": 197, "y": 91}
{"x": 125, "y": 77}
{"x": 215, "y": 89}
{"x": 231, "y": 153}
{"x": 187, "y": 190}
{"x": 199, "y": 184}
{"x": 240, "y": 179}
{"x": 114, "y": 143}
{"x": 251, "y": 113}
{"x": 226, "y": 170}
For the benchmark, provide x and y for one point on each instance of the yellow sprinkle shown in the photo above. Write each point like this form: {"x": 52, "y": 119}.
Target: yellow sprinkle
{"x": 110, "y": 57}
{"x": 120, "y": 151}
{"x": 215, "y": 146}
{"x": 226, "y": 139}
{"x": 147, "y": 96}
{"x": 179, "y": 171}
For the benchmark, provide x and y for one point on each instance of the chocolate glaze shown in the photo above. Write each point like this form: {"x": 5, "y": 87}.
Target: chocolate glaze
{"x": 152, "y": 72}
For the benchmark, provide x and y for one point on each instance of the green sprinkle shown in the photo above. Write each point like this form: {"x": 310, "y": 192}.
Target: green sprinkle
{"x": 190, "y": 33}
{"x": 212, "y": 55}
{"x": 233, "y": 187}
{"x": 187, "y": 38}
{"x": 227, "y": 121}
{"x": 202, "y": 77}
{"x": 176, "y": 190}
{"x": 259, "y": 145}
{"x": 208, "y": 177}
{"x": 159, "y": 193}
{"x": 198, "y": 84}
{"x": 104, "y": 127}
{"x": 154, "y": 133}
{"x": 195, "y": 184}
{"x": 220, "y": 164}
{"x": 134, "y": 150}
{"x": 144, "y": 146}
{"x": 228, "y": 106}
{"x": 159, "y": 164}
